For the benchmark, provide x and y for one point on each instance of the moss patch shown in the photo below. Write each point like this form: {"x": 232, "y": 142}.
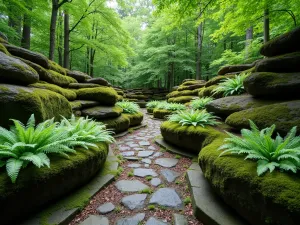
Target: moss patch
{"x": 191, "y": 82}
{"x": 57, "y": 68}
{"x": 4, "y": 50}
{"x": 104, "y": 95}
{"x": 161, "y": 113}
{"x": 53, "y": 77}
{"x": 119, "y": 124}
{"x": 135, "y": 119}
{"x": 182, "y": 99}
{"x": 183, "y": 93}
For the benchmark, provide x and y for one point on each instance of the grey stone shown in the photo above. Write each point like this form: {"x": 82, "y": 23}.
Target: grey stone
{"x": 158, "y": 154}
{"x": 130, "y": 185}
{"x": 147, "y": 165}
{"x": 151, "y": 148}
{"x": 138, "y": 149}
{"x": 140, "y": 172}
{"x": 129, "y": 143}
{"x": 124, "y": 148}
{"x": 133, "y": 220}
{"x": 179, "y": 219}
{"x": 102, "y": 112}
{"x": 155, "y": 181}
{"x": 154, "y": 221}
{"x": 95, "y": 220}
{"x": 132, "y": 158}
{"x": 166, "y": 162}
{"x": 166, "y": 197}
{"x": 133, "y": 145}
{"x": 170, "y": 175}
{"x": 106, "y": 208}
{"x": 127, "y": 153}
{"x": 134, "y": 165}
{"x": 144, "y": 154}
{"x": 148, "y": 161}
{"x": 135, "y": 201}
{"x": 144, "y": 143}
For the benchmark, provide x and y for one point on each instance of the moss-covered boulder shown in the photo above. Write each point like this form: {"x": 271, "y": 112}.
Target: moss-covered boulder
{"x": 83, "y": 85}
{"x": 75, "y": 105}
{"x": 58, "y": 79}
{"x": 28, "y": 55}
{"x": 68, "y": 94}
{"x": 4, "y": 50}
{"x": 217, "y": 80}
{"x": 225, "y": 106}
{"x": 182, "y": 99}
{"x": 37, "y": 187}
{"x": 285, "y": 63}
{"x": 208, "y": 92}
{"x": 104, "y": 95}
{"x": 135, "y": 119}
{"x": 191, "y": 87}
{"x": 20, "y": 102}
{"x": 192, "y": 82}
{"x": 271, "y": 199}
{"x": 234, "y": 68}
{"x": 284, "y": 115}
{"x": 150, "y": 110}
{"x": 119, "y": 124}
{"x": 283, "y": 44}
{"x": 137, "y": 97}
{"x": 79, "y": 76}
{"x": 273, "y": 85}
{"x": 87, "y": 104}
{"x": 142, "y": 104}
{"x": 102, "y": 112}
{"x": 14, "y": 71}
{"x": 187, "y": 137}
{"x": 98, "y": 80}
{"x": 57, "y": 68}
{"x": 161, "y": 113}
{"x": 183, "y": 93}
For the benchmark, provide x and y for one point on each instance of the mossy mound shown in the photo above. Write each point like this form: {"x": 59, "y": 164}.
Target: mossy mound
{"x": 119, "y": 124}
{"x": 217, "y": 80}
{"x": 78, "y": 75}
{"x": 272, "y": 199}
{"x": 83, "y": 85}
{"x": 19, "y": 103}
{"x": 75, "y": 105}
{"x": 161, "y": 113}
{"x": 136, "y": 97}
{"x": 4, "y": 50}
{"x": 57, "y": 68}
{"x": 150, "y": 110}
{"x": 191, "y": 87}
{"x": 68, "y": 94}
{"x": 36, "y": 187}
{"x": 192, "y": 82}
{"x": 234, "y": 68}
{"x": 182, "y": 99}
{"x": 102, "y": 112}
{"x": 187, "y": 137}
{"x": 183, "y": 93}
{"x": 104, "y": 95}
{"x": 53, "y": 77}
{"x": 120, "y": 98}
{"x": 284, "y": 115}
{"x": 208, "y": 92}
{"x": 273, "y": 85}
{"x": 135, "y": 119}
{"x": 98, "y": 80}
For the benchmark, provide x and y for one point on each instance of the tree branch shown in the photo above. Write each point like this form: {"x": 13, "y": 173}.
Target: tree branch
{"x": 75, "y": 49}
{"x": 63, "y": 2}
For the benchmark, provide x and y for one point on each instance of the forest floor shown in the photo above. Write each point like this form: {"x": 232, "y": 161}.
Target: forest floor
{"x": 150, "y": 189}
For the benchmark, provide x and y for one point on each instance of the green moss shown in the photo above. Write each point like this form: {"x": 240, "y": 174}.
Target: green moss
{"x": 192, "y": 82}
{"x": 217, "y": 80}
{"x": 150, "y": 110}
{"x": 3, "y": 49}
{"x": 120, "y": 98}
{"x": 137, "y": 97}
{"x": 57, "y": 68}
{"x": 120, "y": 92}
{"x": 182, "y": 99}
{"x": 161, "y": 113}
{"x": 3, "y": 41}
{"x": 183, "y": 93}
{"x": 104, "y": 95}
{"x": 75, "y": 105}
{"x": 135, "y": 119}
{"x": 58, "y": 79}
{"x": 68, "y": 94}
{"x": 119, "y": 124}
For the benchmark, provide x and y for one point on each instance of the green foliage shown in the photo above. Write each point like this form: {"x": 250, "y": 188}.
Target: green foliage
{"x": 146, "y": 191}
{"x": 151, "y": 207}
{"x": 24, "y": 144}
{"x": 129, "y": 107}
{"x": 200, "y": 103}
{"x": 148, "y": 178}
{"x": 232, "y": 86}
{"x": 187, "y": 200}
{"x": 194, "y": 118}
{"x": 170, "y": 106}
{"x": 270, "y": 153}
{"x": 152, "y": 104}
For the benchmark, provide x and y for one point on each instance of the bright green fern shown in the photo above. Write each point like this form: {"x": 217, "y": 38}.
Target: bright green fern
{"x": 200, "y": 103}
{"x": 270, "y": 153}
{"x": 152, "y": 104}
{"x": 129, "y": 107}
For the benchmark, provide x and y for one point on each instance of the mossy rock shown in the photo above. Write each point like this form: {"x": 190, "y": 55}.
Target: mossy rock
{"x": 87, "y": 104}
{"x": 182, "y": 99}
{"x": 273, "y": 85}
{"x": 120, "y": 92}
{"x": 284, "y": 115}
{"x": 19, "y": 103}
{"x": 136, "y": 97}
{"x": 217, "y": 80}
{"x": 271, "y": 199}
{"x": 68, "y": 94}
{"x": 191, "y": 87}
{"x": 37, "y": 187}
{"x": 223, "y": 107}
{"x": 3, "y": 39}
{"x": 28, "y": 55}
{"x": 120, "y": 98}
{"x": 193, "y": 82}
{"x": 57, "y": 68}
{"x": 83, "y": 85}
{"x": 234, "y": 68}
{"x": 4, "y": 50}
{"x": 135, "y": 119}
{"x": 283, "y": 44}
{"x": 119, "y": 124}
{"x": 208, "y": 92}
{"x": 14, "y": 71}
{"x": 183, "y": 93}
{"x": 150, "y": 110}
{"x": 288, "y": 63}
{"x": 104, "y": 95}
{"x": 142, "y": 104}
{"x": 75, "y": 105}
{"x": 130, "y": 99}
{"x": 161, "y": 113}
{"x": 78, "y": 75}
{"x": 102, "y": 112}
{"x": 53, "y": 77}
{"x": 98, "y": 80}
{"x": 190, "y": 138}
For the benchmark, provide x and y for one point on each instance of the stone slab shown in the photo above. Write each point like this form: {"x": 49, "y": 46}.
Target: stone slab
{"x": 95, "y": 220}
{"x": 145, "y": 154}
{"x": 166, "y": 162}
{"x": 169, "y": 175}
{"x": 130, "y": 185}
{"x": 179, "y": 219}
{"x": 154, "y": 221}
{"x": 167, "y": 197}
{"x": 133, "y": 220}
{"x": 106, "y": 208}
{"x": 134, "y": 201}
{"x": 140, "y": 172}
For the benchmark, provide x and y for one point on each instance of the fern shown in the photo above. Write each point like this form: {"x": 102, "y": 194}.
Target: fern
{"x": 200, "y": 103}
{"x": 152, "y": 104}
{"x": 170, "y": 106}
{"x": 129, "y": 107}
{"x": 194, "y": 118}
{"x": 270, "y": 153}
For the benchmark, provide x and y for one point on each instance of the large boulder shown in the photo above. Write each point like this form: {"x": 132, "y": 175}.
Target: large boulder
{"x": 284, "y": 115}
{"x": 273, "y": 85}
{"x": 28, "y": 55}
{"x": 135, "y": 119}
{"x": 191, "y": 87}
{"x": 118, "y": 125}
{"x": 183, "y": 93}
{"x": 225, "y": 106}
{"x": 56, "y": 78}
{"x": 79, "y": 76}
{"x": 283, "y": 44}
{"x": 182, "y": 99}
{"x": 280, "y": 64}
{"x": 57, "y": 68}
{"x": 98, "y": 80}
{"x": 102, "y": 112}
{"x": 104, "y": 95}
{"x": 83, "y": 85}
{"x": 234, "y": 68}
{"x": 19, "y": 103}
{"x": 86, "y": 103}
{"x": 161, "y": 113}
{"x": 15, "y": 71}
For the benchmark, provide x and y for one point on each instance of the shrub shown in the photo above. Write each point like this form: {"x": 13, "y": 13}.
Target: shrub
{"x": 232, "y": 86}
{"x": 152, "y": 104}
{"x": 201, "y": 103}
{"x": 194, "y": 117}
{"x": 282, "y": 153}
{"x": 129, "y": 107}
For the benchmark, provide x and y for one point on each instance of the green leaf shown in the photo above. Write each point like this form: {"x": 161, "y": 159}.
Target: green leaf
{"x": 13, "y": 167}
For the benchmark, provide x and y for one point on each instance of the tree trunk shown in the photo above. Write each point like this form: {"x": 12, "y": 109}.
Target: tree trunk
{"x": 249, "y": 37}
{"x": 25, "y": 42}
{"x": 60, "y": 39}
{"x": 54, "y": 13}
{"x": 67, "y": 40}
{"x": 199, "y": 51}
{"x": 266, "y": 26}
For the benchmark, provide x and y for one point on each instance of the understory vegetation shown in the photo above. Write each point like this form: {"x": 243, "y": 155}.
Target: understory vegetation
{"x": 129, "y": 107}
{"x": 200, "y": 103}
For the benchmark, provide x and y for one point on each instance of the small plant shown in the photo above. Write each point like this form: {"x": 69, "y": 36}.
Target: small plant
{"x": 118, "y": 209}
{"x": 270, "y": 153}
{"x": 148, "y": 178}
{"x": 178, "y": 157}
{"x": 130, "y": 173}
{"x": 200, "y": 103}
{"x": 162, "y": 186}
{"x": 232, "y": 86}
{"x": 187, "y": 200}
{"x": 162, "y": 207}
{"x": 151, "y": 207}
{"x": 146, "y": 191}
{"x": 175, "y": 107}
{"x": 152, "y": 104}
{"x": 178, "y": 182}
{"x": 129, "y": 107}
{"x": 194, "y": 118}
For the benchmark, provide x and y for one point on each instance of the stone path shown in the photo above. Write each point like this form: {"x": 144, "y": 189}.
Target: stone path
{"x": 151, "y": 187}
